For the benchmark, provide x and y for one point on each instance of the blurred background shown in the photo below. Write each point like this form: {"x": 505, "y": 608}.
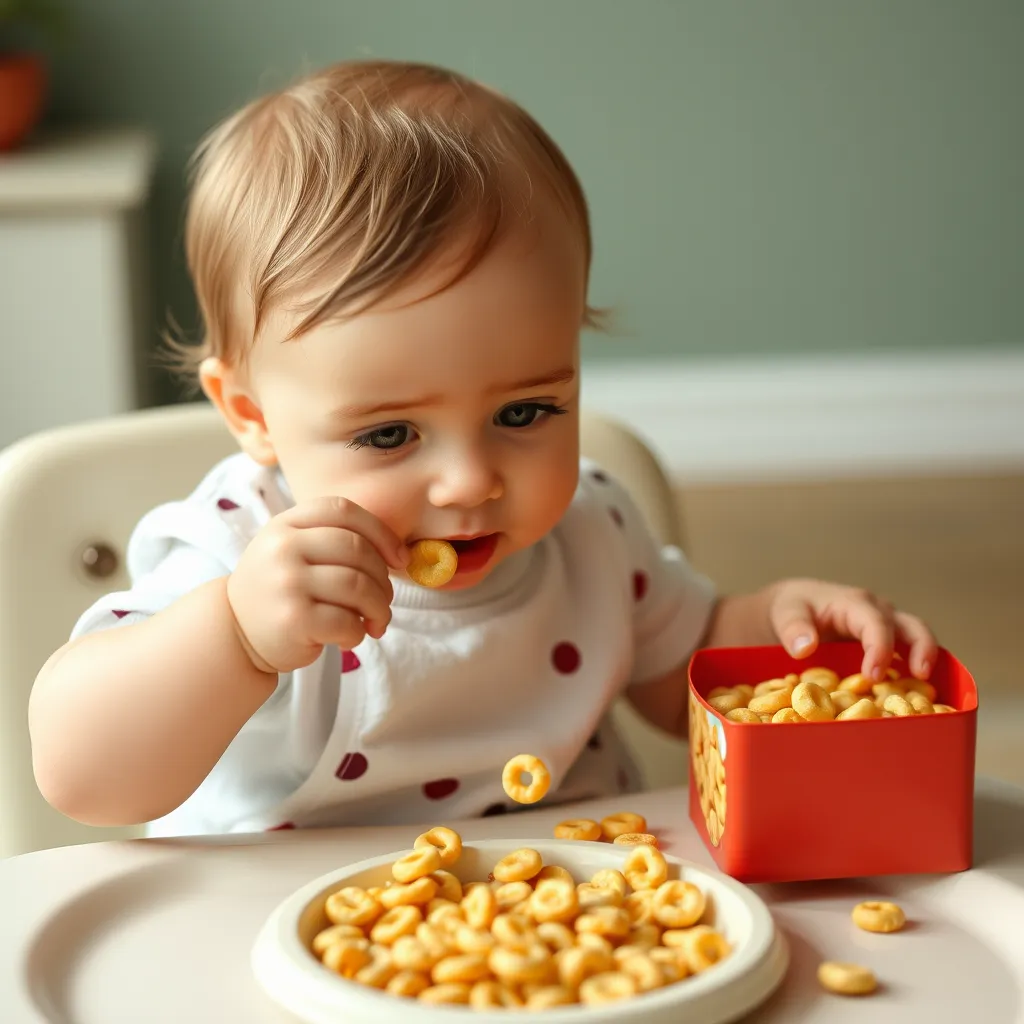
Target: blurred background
{"x": 808, "y": 217}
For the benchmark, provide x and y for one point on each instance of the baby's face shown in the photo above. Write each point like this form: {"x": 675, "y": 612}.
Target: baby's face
{"x": 450, "y": 416}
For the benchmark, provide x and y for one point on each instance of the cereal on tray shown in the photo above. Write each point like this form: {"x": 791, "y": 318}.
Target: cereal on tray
{"x": 578, "y": 828}
{"x": 635, "y": 839}
{"x": 879, "y": 916}
{"x": 847, "y": 979}
{"x": 623, "y": 822}
{"x": 623, "y": 827}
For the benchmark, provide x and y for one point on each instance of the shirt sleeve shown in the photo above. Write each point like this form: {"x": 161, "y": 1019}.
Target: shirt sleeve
{"x": 672, "y": 602}
{"x": 181, "y": 570}
{"x": 179, "y": 546}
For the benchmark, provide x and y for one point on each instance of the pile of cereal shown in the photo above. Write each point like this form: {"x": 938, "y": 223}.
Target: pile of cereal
{"x": 532, "y": 938}
{"x": 819, "y": 695}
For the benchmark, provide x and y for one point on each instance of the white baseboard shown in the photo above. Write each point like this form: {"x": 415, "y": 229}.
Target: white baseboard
{"x": 818, "y": 417}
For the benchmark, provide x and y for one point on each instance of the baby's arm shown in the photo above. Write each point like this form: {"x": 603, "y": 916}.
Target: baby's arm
{"x": 126, "y": 723}
{"x": 735, "y": 621}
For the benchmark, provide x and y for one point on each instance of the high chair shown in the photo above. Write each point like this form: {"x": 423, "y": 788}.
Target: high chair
{"x": 69, "y": 499}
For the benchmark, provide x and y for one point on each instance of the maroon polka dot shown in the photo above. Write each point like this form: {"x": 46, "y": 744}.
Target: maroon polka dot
{"x": 349, "y": 661}
{"x": 263, "y": 494}
{"x": 617, "y": 516}
{"x": 353, "y": 766}
{"x": 566, "y": 658}
{"x": 440, "y": 788}
{"x": 601, "y": 478}
{"x": 227, "y": 504}
{"x": 640, "y": 582}
{"x": 282, "y": 828}
{"x": 594, "y": 743}
{"x": 494, "y": 810}
{"x": 120, "y": 613}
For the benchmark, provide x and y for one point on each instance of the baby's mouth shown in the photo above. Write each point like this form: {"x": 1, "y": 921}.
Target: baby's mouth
{"x": 469, "y": 543}
{"x": 474, "y": 553}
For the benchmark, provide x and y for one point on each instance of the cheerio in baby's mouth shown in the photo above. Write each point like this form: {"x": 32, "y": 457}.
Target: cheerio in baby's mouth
{"x": 432, "y": 563}
{"x": 436, "y": 562}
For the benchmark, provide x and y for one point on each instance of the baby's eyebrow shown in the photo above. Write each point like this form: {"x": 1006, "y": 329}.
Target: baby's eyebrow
{"x": 563, "y": 375}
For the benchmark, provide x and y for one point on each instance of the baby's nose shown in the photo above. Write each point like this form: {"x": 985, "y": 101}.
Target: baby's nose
{"x": 466, "y": 481}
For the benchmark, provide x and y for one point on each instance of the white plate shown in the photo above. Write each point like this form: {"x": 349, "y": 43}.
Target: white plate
{"x": 288, "y": 972}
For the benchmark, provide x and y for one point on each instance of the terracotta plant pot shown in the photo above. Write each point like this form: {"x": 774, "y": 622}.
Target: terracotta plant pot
{"x": 22, "y": 93}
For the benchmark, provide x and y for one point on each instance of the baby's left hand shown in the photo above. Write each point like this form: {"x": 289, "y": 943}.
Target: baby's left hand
{"x": 805, "y": 612}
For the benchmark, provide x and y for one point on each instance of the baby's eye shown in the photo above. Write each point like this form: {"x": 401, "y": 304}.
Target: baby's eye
{"x": 525, "y": 414}
{"x": 383, "y": 438}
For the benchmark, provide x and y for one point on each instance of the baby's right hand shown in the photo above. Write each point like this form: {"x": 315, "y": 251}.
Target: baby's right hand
{"x": 314, "y": 575}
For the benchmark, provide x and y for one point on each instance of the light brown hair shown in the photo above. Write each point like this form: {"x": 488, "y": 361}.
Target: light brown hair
{"x": 340, "y": 187}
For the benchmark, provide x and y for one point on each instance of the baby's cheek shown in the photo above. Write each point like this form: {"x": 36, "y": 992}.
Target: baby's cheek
{"x": 400, "y": 513}
{"x": 397, "y": 510}
{"x": 548, "y": 496}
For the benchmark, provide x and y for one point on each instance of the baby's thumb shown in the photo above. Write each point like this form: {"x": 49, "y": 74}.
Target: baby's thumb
{"x": 793, "y": 621}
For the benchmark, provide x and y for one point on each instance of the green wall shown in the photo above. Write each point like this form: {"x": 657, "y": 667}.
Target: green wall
{"x": 782, "y": 175}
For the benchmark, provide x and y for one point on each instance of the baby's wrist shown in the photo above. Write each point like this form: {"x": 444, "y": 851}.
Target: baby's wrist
{"x": 251, "y": 653}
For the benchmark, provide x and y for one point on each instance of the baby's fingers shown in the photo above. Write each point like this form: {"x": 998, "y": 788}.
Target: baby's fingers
{"x": 357, "y": 592}
{"x": 924, "y": 648}
{"x": 327, "y": 545}
{"x": 874, "y": 626}
{"x": 330, "y": 624}
{"x": 347, "y": 515}
{"x": 792, "y": 619}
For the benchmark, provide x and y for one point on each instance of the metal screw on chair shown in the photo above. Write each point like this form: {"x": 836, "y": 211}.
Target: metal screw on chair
{"x": 100, "y": 560}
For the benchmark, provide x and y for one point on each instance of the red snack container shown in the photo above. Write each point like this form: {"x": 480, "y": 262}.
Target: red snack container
{"x": 820, "y": 800}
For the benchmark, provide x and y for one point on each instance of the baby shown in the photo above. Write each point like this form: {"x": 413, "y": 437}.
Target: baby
{"x": 391, "y": 263}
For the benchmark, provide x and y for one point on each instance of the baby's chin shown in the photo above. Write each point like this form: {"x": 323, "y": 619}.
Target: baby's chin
{"x": 461, "y": 581}
{"x": 466, "y": 582}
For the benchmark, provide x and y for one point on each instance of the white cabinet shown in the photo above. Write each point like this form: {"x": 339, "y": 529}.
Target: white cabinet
{"x": 75, "y": 315}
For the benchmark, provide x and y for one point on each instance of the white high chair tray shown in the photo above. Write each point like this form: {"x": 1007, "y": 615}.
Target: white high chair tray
{"x": 161, "y": 931}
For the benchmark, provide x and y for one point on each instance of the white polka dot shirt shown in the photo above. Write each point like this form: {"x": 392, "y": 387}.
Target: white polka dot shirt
{"x": 417, "y": 726}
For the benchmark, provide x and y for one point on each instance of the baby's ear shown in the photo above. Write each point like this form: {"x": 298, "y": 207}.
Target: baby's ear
{"x": 226, "y": 388}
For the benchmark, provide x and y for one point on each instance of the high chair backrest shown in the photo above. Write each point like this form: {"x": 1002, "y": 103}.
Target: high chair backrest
{"x": 69, "y": 499}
